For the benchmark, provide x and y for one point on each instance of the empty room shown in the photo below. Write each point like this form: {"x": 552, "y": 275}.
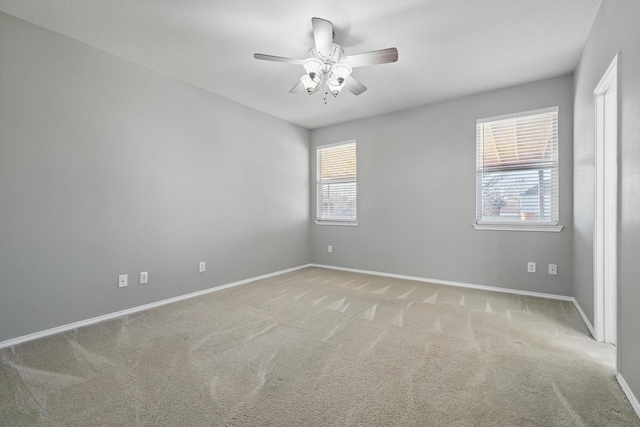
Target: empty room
{"x": 319, "y": 213}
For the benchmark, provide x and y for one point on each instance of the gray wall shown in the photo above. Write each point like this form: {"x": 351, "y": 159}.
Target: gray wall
{"x": 416, "y": 196}
{"x": 615, "y": 30}
{"x": 107, "y": 167}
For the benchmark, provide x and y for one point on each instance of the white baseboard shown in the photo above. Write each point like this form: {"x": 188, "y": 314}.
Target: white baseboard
{"x": 627, "y": 390}
{"x": 450, "y": 283}
{"x": 584, "y": 318}
{"x": 79, "y": 324}
{"x": 74, "y": 325}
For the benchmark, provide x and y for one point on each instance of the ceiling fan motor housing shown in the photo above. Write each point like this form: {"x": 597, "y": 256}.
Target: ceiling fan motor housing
{"x": 328, "y": 61}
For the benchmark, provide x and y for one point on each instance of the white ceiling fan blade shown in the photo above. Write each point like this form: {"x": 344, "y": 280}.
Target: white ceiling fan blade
{"x": 372, "y": 58}
{"x": 277, "y": 59}
{"x": 323, "y": 36}
{"x": 299, "y": 88}
{"x": 354, "y": 86}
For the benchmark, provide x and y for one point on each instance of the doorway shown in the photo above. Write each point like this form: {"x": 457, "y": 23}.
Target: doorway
{"x": 606, "y": 203}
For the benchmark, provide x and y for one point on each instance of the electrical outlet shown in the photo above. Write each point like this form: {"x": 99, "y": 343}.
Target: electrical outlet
{"x": 330, "y": 249}
{"x": 122, "y": 281}
{"x": 144, "y": 278}
{"x": 553, "y": 269}
{"x": 531, "y": 267}
{"x": 203, "y": 267}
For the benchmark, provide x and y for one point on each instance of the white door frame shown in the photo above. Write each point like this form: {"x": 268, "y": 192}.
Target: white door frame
{"x": 606, "y": 206}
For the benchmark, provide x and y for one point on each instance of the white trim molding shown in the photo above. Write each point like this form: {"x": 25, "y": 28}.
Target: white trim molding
{"x": 109, "y": 316}
{"x": 450, "y": 283}
{"x": 585, "y": 319}
{"x": 606, "y": 206}
{"x": 627, "y": 391}
{"x": 516, "y": 227}
{"x": 343, "y": 223}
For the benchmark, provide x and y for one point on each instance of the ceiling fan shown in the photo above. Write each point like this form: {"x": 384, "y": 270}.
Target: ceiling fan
{"x": 327, "y": 63}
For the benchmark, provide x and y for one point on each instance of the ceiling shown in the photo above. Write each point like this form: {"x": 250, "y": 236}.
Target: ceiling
{"x": 447, "y": 48}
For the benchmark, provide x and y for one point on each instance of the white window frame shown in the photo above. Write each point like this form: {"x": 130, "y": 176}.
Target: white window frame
{"x": 523, "y": 225}
{"x": 332, "y": 221}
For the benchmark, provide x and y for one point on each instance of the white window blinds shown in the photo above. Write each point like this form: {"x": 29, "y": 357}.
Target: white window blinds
{"x": 336, "y": 181}
{"x": 517, "y": 168}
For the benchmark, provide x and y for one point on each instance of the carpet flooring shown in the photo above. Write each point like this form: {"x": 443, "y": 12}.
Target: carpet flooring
{"x": 318, "y": 347}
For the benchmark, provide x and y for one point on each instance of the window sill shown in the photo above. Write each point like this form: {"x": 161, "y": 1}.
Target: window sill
{"x": 329, "y": 222}
{"x": 518, "y": 227}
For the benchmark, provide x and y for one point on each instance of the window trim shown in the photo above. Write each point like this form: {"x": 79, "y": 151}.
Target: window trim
{"x": 348, "y": 223}
{"x": 336, "y": 222}
{"x": 518, "y": 227}
{"x": 535, "y": 226}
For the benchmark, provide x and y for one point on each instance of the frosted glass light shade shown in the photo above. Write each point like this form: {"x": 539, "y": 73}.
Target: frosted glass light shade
{"x": 339, "y": 73}
{"x": 309, "y": 84}
{"x": 334, "y": 87}
{"x": 313, "y": 67}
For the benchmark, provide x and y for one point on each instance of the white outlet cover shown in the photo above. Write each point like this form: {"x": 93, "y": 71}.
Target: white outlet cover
{"x": 144, "y": 278}
{"x": 203, "y": 266}
{"x": 553, "y": 269}
{"x": 329, "y": 248}
{"x": 122, "y": 281}
{"x": 531, "y": 267}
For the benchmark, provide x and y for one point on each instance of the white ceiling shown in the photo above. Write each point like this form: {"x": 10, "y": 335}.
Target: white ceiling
{"x": 447, "y": 48}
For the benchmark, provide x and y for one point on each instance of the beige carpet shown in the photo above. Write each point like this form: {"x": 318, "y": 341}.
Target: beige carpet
{"x": 318, "y": 347}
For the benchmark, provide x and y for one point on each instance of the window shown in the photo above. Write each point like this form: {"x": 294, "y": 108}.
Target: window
{"x": 517, "y": 171}
{"x": 336, "y": 181}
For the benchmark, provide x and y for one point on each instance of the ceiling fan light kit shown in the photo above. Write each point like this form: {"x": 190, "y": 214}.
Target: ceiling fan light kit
{"x": 328, "y": 64}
